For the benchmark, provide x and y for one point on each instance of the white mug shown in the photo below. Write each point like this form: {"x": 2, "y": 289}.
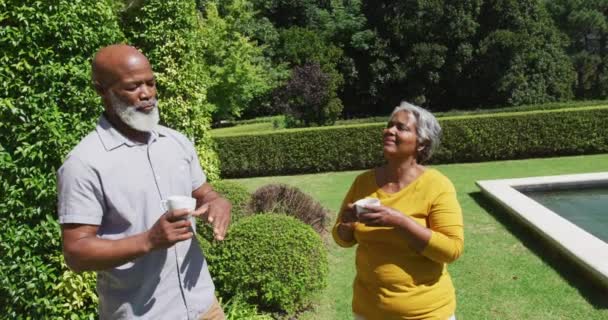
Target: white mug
{"x": 178, "y": 202}
{"x": 359, "y": 204}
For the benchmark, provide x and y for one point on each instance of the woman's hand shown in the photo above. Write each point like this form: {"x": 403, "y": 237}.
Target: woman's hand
{"x": 348, "y": 215}
{"x": 381, "y": 216}
{"x": 346, "y": 227}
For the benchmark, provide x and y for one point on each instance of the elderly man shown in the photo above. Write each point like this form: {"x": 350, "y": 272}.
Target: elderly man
{"x": 110, "y": 191}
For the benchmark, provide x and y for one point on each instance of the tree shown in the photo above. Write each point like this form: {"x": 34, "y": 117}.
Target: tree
{"x": 466, "y": 54}
{"x": 288, "y": 13}
{"x": 294, "y": 33}
{"x": 308, "y": 98}
{"x": 521, "y": 56}
{"x": 586, "y": 25}
{"x": 422, "y": 50}
{"x": 238, "y": 68}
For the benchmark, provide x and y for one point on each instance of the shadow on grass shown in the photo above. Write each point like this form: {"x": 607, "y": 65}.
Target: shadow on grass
{"x": 588, "y": 287}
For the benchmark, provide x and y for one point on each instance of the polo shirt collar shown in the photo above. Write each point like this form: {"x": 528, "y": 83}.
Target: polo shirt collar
{"x": 112, "y": 138}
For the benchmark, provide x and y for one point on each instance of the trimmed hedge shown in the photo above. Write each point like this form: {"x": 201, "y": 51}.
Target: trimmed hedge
{"x": 465, "y": 139}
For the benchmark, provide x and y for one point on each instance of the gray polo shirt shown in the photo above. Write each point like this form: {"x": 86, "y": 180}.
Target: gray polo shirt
{"x": 118, "y": 184}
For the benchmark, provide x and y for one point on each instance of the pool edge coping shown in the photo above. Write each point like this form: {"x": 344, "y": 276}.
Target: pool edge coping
{"x": 587, "y": 250}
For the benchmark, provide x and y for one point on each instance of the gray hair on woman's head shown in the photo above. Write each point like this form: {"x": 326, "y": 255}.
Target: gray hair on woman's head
{"x": 428, "y": 129}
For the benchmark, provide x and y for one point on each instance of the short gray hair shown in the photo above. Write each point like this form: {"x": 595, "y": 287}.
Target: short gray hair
{"x": 428, "y": 129}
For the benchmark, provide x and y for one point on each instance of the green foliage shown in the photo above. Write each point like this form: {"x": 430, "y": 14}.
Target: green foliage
{"x": 47, "y": 106}
{"x": 465, "y": 53}
{"x": 308, "y": 98}
{"x": 421, "y": 51}
{"x": 237, "y": 309}
{"x": 522, "y": 58}
{"x": 170, "y": 34}
{"x": 300, "y": 46}
{"x": 239, "y": 70}
{"x": 273, "y": 261}
{"x": 77, "y": 291}
{"x": 586, "y": 25}
{"x": 287, "y": 13}
{"x": 465, "y": 139}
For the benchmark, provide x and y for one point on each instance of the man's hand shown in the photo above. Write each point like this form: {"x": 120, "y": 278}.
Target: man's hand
{"x": 217, "y": 213}
{"x": 84, "y": 251}
{"x": 171, "y": 227}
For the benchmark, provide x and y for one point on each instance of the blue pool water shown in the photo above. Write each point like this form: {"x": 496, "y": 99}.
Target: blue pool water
{"x": 586, "y": 208}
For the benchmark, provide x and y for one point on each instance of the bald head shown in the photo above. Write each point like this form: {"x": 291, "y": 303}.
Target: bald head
{"x": 112, "y": 62}
{"x": 124, "y": 80}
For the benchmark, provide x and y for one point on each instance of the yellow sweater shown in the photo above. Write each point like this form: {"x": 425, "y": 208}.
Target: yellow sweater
{"x": 393, "y": 281}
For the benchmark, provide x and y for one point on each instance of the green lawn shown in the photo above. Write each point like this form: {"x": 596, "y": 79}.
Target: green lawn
{"x": 506, "y": 272}
{"x": 240, "y": 129}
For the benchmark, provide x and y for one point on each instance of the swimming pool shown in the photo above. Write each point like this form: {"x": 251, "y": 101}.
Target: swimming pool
{"x": 569, "y": 224}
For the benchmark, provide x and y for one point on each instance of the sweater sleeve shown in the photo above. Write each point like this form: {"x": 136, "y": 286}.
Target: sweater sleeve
{"x": 445, "y": 221}
{"x": 349, "y": 198}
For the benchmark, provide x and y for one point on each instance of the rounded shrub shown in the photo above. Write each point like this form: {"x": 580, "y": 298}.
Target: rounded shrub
{"x": 285, "y": 199}
{"x": 273, "y": 261}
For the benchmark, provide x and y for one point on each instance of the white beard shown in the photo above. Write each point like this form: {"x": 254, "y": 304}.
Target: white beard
{"x": 137, "y": 120}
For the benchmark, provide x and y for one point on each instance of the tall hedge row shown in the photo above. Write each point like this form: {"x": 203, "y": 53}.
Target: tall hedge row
{"x": 46, "y": 107}
{"x": 465, "y": 139}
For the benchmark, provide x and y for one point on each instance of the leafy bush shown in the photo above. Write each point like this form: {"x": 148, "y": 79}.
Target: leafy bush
{"x": 465, "y": 139}
{"x": 285, "y": 199}
{"x": 237, "y": 309}
{"x": 273, "y": 261}
{"x": 77, "y": 291}
{"x": 46, "y": 107}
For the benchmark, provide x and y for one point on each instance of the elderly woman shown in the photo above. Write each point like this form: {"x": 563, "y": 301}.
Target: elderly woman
{"x": 406, "y": 242}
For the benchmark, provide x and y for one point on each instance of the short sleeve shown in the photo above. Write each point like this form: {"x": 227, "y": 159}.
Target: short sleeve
{"x": 196, "y": 171}
{"x": 80, "y": 197}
